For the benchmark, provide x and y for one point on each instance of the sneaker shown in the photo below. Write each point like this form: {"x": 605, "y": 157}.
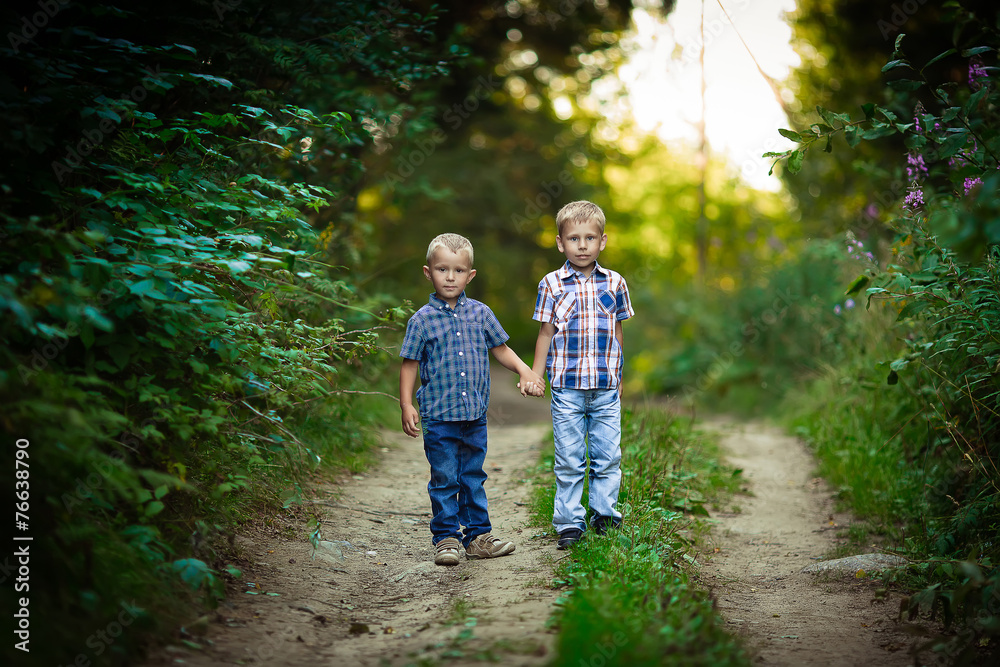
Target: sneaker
{"x": 447, "y": 552}
{"x": 569, "y": 537}
{"x": 488, "y": 546}
{"x": 603, "y": 524}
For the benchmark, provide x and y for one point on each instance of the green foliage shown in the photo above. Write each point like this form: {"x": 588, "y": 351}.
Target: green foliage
{"x": 920, "y": 451}
{"x": 869, "y": 446}
{"x": 843, "y": 45}
{"x": 180, "y": 344}
{"x": 741, "y": 351}
{"x": 630, "y": 596}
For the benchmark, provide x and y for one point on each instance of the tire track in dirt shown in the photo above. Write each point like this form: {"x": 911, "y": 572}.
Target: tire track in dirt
{"x": 384, "y": 602}
{"x": 788, "y": 617}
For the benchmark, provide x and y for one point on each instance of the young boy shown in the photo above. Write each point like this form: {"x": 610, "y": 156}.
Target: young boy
{"x": 581, "y": 307}
{"x": 447, "y": 341}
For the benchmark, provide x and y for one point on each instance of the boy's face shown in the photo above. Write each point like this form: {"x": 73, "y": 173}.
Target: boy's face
{"x": 450, "y": 272}
{"x": 582, "y": 243}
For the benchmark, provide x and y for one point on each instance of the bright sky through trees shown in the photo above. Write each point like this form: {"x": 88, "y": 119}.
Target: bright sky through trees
{"x": 662, "y": 78}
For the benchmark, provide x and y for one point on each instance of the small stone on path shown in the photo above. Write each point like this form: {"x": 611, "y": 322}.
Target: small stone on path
{"x": 851, "y": 564}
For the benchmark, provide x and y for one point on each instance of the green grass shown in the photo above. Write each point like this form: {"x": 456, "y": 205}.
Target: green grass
{"x": 897, "y": 473}
{"x": 629, "y": 597}
{"x": 873, "y": 459}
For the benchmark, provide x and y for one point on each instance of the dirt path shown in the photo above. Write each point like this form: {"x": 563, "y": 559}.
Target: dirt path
{"x": 791, "y": 618}
{"x": 380, "y": 600}
{"x": 374, "y": 596}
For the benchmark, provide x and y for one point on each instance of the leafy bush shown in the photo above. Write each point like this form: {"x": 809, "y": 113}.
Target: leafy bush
{"x": 942, "y": 284}
{"x": 743, "y": 350}
{"x": 178, "y": 347}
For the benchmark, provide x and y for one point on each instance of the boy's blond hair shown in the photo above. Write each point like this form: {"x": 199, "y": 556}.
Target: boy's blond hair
{"x": 579, "y": 211}
{"x": 454, "y": 242}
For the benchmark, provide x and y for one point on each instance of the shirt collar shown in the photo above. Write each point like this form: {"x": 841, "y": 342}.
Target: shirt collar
{"x": 567, "y": 270}
{"x": 440, "y": 304}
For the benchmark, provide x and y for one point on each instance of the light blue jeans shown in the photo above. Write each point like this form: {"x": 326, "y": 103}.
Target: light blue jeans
{"x": 586, "y": 421}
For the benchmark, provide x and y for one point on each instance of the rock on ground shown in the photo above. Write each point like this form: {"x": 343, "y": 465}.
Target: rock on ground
{"x": 851, "y": 564}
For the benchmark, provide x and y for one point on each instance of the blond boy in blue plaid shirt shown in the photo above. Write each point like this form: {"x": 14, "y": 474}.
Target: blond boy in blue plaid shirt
{"x": 448, "y": 342}
{"x": 581, "y": 307}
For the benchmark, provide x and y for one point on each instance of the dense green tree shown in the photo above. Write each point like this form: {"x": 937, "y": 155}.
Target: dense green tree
{"x": 934, "y": 379}
{"x": 171, "y": 327}
{"x": 843, "y": 45}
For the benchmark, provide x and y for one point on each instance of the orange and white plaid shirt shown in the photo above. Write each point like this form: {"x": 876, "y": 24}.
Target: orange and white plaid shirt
{"x": 584, "y": 353}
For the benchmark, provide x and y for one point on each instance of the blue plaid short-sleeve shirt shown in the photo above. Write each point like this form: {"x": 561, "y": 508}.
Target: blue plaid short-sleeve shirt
{"x": 453, "y": 348}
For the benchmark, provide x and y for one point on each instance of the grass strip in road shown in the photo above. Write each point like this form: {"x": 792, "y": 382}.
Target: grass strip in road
{"x": 630, "y": 596}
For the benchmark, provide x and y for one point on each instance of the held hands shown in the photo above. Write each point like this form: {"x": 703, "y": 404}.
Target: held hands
{"x": 531, "y": 384}
{"x": 532, "y": 389}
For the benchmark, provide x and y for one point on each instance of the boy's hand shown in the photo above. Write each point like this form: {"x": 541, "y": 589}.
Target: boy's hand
{"x": 410, "y": 420}
{"x": 531, "y": 384}
{"x": 530, "y": 389}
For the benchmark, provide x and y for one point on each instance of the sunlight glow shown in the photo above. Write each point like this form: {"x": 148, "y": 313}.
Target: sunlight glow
{"x": 662, "y": 77}
{"x": 562, "y": 106}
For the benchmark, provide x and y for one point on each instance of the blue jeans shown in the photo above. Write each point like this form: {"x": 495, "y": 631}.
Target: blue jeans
{"x": 456, "y": 452}
{"x": 582, "y": 420}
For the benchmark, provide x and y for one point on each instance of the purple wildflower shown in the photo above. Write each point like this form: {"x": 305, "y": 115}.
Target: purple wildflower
{"x": 914, "y": 199}
{"x": 854, "y": 246}
{"x": 964, "y": 157}
{"x": 917, "y": 169}
{"x": 972, "y": 183}
{"x": 836, "y": 309}
{"x": 976, "y": 73}
{"x": 849, "y": 304}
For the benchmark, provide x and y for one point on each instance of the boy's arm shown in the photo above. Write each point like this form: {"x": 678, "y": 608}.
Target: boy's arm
{"x": 620, "y": 335}
{"x": 407, "y": 380}
{"x": 542, "y": 344}
{"x": 509, "y": 360}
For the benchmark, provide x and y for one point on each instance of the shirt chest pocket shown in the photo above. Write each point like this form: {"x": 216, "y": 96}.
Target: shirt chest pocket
{"x": 607, "y": 303}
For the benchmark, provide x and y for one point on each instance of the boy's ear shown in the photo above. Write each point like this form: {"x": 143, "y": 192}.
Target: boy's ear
{"x": 427, "y": 272}
{"x": 472, "y": 274}
{"x": 559, "y": 243}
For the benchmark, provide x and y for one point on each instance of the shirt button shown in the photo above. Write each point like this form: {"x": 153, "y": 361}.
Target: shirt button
{"x": 463, "y": 373}
{"x": 463, "y": 393}
{"x": 460, "y": 353}
{"x": 459, "y": 333}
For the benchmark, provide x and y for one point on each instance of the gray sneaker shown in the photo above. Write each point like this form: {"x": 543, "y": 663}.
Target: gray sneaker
{"x": 446, "y": 552}
{"x": 487, "y": 546}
